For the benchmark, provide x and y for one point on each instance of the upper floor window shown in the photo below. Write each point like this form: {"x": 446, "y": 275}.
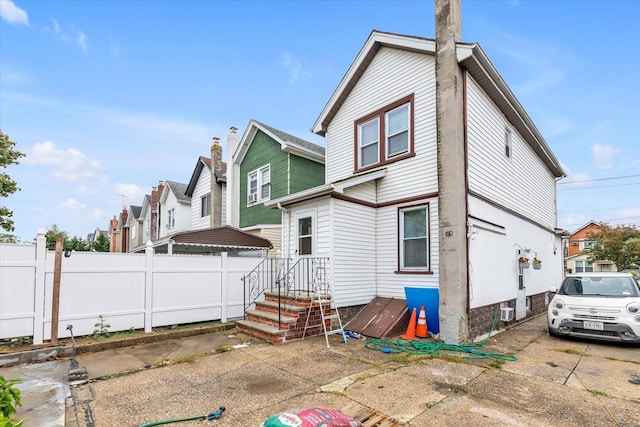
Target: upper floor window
{"x": 259, "y": 185}
{"x": 205, "y": 205}
{"x": 413, "y": 236}
{"x": 171, "y": 218}
{"x": 507, "y": 143}
{"x": 385, "y": 135}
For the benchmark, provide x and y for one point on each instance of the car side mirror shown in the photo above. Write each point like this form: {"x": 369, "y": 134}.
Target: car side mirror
{"x": 553, "y": 289}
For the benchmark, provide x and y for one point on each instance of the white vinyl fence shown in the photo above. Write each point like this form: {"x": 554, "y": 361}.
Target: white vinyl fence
{"x": 138, "y": 291}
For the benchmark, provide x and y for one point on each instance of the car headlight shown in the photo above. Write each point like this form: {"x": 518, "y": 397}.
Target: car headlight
{"x": 559, "y": 304}
{"x": 633, "y": 308}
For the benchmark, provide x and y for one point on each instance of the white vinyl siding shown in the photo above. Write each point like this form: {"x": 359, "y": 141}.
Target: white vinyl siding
{"x": 392, "y": 75}
{"x": 389, "y": 283}
{"x": 496, "y": 237}
{"x": 522, "y": 182}
{"x": 202, "y": 188}
{"x": 354, "y": 253}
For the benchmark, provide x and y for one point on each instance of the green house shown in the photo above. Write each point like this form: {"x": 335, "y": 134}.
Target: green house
{"x": 269, "y": 164}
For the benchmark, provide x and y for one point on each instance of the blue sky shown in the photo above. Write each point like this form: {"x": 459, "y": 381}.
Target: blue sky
{"x": 107, "y": 98}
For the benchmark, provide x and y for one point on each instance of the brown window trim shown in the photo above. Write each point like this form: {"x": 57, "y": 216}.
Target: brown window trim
{"x": 382, "y": 136}
{"x": 426, "y": 205}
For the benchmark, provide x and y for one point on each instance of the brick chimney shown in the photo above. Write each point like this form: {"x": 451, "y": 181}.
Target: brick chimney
{"x": 452, "y": 191}
{"x": 124, "y": 230}
{"x": 156, "y": 192}
{"x": 113, "y": 226}
{"x": 216, "y": 187}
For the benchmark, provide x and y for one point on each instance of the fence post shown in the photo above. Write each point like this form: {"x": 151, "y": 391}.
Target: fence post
{"x": 39, "y": 303}
{"x": 148, "y": 286}
{"x": 224, "y": 286}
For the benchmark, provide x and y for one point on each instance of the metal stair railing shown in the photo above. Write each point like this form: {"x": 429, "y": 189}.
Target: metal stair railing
{"x": 290, "y": 279}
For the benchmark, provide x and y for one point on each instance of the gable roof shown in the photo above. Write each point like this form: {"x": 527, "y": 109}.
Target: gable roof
{"x": 201, "y": 164}
{"x": 585, "y": 226}
{"x": 288, "y": 143}
{"x": 178, "y": 189}
{"x": 472, "y": 58}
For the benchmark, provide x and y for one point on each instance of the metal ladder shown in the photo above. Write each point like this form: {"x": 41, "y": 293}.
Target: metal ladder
{"x": 321, "y": 297}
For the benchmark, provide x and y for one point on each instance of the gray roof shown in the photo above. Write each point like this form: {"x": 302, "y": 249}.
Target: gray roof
{"x": 135, "y": 211}
{"x": 179, "y": 190}
{"x": 293, "y": 139}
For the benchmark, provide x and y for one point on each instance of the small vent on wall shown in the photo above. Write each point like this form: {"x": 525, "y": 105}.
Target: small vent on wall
{"x": 506, "y": 314}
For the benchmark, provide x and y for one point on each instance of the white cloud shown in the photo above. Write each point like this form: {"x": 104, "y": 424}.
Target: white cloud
{"x": 293, "y": 64}
{"x": 81, "y": 39}
{"x": 604, "y": 155}
{"x": 13, "y": 14}
{"x": 573, "y": 179}
{"x": 66, "y": 164}
{"x": 79, "y": 210}
{"x": 133, "y": 194}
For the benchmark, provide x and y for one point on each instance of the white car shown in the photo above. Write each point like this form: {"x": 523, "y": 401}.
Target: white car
{"x": 602, "y": 306}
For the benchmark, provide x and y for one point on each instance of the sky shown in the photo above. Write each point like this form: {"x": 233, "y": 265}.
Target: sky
{"x": 107, "y": 98}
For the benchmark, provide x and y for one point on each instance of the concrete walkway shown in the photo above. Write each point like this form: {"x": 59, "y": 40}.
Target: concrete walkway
{"x": 552, "y": 382}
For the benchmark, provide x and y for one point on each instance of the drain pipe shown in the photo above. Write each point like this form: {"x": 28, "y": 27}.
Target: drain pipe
{"x": 70, "y": 329}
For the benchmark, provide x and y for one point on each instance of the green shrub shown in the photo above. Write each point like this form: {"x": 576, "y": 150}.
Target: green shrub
{"x": 9, "y": 399}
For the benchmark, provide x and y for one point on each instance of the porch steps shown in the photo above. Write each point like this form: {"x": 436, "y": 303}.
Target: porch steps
{"x": 263, "y": 322}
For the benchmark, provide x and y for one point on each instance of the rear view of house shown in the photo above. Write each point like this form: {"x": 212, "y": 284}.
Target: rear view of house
{"x": 436, "y": 178}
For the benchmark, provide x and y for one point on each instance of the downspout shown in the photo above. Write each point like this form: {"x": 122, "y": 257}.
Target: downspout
{"x": 285, "y": 231}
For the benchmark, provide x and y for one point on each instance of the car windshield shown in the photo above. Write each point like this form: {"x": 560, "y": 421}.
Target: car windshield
{"x": 600, "y": 286}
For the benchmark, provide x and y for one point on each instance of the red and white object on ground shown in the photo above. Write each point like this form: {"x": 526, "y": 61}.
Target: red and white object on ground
{"x": 312, "y": 417}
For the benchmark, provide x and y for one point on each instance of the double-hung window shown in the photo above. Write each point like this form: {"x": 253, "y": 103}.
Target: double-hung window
{"x": 385, "y": 135}
{"x": 584, "y": 267}
{"x": 171, "y": 218}
{"x": 205, "y": 205}
{"x": 414, "y": 239}
{"x": 259, "y": 185}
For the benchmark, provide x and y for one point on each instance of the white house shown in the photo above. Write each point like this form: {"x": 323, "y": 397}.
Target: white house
{"x": 378, "y": 217}
{"x": 174, "y": 209}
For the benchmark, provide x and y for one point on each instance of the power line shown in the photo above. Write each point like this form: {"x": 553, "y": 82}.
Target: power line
{"x": 601, "y": 186}
{"x": 598, "y": 179}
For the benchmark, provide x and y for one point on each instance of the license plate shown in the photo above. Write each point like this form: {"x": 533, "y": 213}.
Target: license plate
{"x": 597, "y": 326}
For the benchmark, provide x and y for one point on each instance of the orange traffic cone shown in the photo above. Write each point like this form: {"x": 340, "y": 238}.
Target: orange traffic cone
{"x": 411, "y": 327}
{"x": 421, "y": 329}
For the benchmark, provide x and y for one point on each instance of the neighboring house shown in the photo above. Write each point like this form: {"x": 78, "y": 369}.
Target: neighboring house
{"x": 268, "y": 164}
{"x": 207, "y": 190}
{"x": 174, "y": 209}
{"x": 134, "y": 227}
{"x": 576, "y": 261}
{"x": 434, "y": 179}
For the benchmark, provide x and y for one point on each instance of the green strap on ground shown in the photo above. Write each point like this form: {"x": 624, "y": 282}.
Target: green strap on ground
{"x": 473, "y": 350}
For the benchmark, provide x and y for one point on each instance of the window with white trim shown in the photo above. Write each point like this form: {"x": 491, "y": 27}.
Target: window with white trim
{"x": 414, "y": 238}
{"x": 305, "y": 228}
{"x": 583, "y": 267}
{"x": 205, "y": 205}
{"x": 171, "y": 218}
{"x": 259, "y": 185}
{"x": 385, "y": 135}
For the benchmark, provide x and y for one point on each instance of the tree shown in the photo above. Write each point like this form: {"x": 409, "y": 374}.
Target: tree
{"x": 101, "y": 244}
{"x": 76, "y": 244}
{"x": 620, "y": 245}
{"x": 8, "y": 156}
{"x": 52, "y": 234}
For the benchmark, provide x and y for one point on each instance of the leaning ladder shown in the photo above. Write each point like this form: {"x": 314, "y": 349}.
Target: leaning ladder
{"x": 322, "y": 298}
